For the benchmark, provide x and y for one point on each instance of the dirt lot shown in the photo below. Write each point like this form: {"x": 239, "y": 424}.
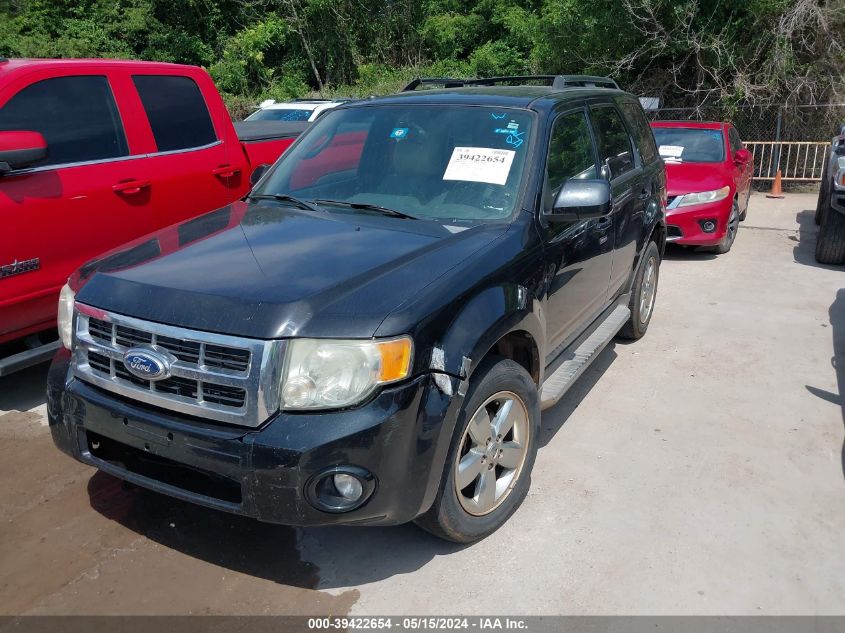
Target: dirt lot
{"x": 698, "y": 471}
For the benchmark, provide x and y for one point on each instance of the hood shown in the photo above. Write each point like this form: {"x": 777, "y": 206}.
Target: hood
{"x": 684, "y": 178}
{"x": 279, "y": 272}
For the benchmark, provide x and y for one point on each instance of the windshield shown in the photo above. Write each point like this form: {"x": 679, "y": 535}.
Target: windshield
{"x": 445, "y": 163}
{"x": 690, "y": 145}
{"x": 280, "y": 114}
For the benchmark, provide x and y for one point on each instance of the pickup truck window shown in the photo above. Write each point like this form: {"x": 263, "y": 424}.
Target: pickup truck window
{"x": 177, "y": 112}
{"x": 571, "y": 152}
{"x": 77, "y": 116}
{"x": 614, "y": 143}
{"x": 437, "y": 162}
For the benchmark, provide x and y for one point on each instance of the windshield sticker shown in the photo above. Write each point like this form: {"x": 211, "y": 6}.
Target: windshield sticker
{"x": 671, "y": 151}
{"x": 498, "y": 116}
{"x": 515, "y": 137}
{"x": 480, "y": 164}
{"x": 399, "y": 132}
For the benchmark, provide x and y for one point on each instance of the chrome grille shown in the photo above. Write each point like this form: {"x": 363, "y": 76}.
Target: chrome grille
{"x": 219, "y": 377}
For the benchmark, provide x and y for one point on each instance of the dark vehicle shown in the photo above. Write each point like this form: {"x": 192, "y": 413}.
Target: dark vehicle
{"x": 830, "y": 209}
{"x": 374, "y": 340}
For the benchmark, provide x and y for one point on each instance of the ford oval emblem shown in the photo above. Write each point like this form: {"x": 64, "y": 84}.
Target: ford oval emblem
{"x": 147, "y": 364}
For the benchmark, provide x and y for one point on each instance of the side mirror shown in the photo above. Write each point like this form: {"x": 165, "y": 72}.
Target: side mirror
{"x": 256, "y": 174}
{"x": 742, "y": 156}
{"x": 21, "y": 149}
{"x": 581, "y": 199}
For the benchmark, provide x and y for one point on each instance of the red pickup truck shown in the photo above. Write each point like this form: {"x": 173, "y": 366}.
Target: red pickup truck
{"x": 95, "y": 153}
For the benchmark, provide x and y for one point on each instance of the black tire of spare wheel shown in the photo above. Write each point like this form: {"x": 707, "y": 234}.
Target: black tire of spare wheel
{"x": 830, "y": 244}
{"x": 636, "y": 326}
{"x": 446, "y": 518}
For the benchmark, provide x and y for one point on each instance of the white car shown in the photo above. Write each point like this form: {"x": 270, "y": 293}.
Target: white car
{"x": 296, "y": 110}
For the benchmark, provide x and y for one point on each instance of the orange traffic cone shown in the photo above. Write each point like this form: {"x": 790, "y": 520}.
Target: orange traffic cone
{"x": 777, "y": 191}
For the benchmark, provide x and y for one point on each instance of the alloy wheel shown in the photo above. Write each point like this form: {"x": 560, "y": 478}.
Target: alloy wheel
{"x": 492, "y": 453}
{"x": 648, "y": 291}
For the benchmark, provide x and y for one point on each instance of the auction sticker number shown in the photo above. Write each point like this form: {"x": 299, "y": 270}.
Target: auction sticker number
{"x": 480, "y": 164}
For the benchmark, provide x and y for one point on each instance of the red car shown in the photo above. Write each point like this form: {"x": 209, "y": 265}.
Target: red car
{"x": 96, "y": 153}
{"x": 708, "y": 174}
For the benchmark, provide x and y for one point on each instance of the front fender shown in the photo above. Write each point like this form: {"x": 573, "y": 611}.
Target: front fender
{"x": 486, "y": 318}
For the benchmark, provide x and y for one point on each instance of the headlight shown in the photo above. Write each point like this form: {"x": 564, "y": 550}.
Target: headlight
{"x": 330, "y": 374}
{"x": 839, "y": 177}
{"x": 689, "y": 199}
{"x": 65, "y": 316}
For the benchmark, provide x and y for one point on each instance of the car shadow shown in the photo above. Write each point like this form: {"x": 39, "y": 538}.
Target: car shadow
{"x": 675, "y": 252}
{"x": 837, "y": 361}
{"x": 555, "y": 417}
{"x": 355, "y": 555}
{"x": 25, "y": 389}
{"x": 804, "y": 251}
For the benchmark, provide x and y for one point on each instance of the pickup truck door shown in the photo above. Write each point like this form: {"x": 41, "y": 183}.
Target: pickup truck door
{"x": 578, "y": 253}
{"x": 196, "y": 163}
{"x": 89, "y": 195}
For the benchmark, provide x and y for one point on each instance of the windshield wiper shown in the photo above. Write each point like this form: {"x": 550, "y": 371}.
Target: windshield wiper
{"x": 283, "y": 197}
{"x": 366, "y": 206}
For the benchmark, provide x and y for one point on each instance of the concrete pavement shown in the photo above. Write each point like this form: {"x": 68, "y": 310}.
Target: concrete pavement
{"x": 697, "y": 471}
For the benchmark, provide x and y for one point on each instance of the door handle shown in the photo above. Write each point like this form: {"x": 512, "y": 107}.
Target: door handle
{"x": 225, "y": 171}
{"x": 130, "y": 187}
{"x": 604, "y": 222}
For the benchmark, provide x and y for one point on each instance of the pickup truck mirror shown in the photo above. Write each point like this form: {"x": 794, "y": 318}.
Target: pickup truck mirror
{"x": 20, "y": 149}
{"x": 742, "y": 156}
{"x": 581, "y": 199}
{"x": 256, "y": 174}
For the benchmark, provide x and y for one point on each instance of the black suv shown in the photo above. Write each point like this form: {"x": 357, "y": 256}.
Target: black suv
{"x": 370, "y": 336}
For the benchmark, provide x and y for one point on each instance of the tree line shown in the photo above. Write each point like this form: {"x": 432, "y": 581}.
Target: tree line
{"x": 721, "y": 52}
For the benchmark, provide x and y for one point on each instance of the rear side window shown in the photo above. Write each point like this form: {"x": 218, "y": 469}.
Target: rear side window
{"x": 177, "y": 112}
{"x": 76, "y": 115}
{"x": 635, "y": 116}
{"x": 614, "y": 143}
{"x": 571, "y": 152}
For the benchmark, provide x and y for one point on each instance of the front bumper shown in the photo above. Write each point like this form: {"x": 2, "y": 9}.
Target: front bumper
{"x": 401, "y": 437}
{"x": 684, "y": 223}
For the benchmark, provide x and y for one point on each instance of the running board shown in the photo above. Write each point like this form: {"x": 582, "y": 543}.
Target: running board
{"x": 564, "y": 376}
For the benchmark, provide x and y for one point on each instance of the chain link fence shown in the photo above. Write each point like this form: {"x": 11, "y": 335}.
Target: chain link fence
{"x": 795, "y": 139}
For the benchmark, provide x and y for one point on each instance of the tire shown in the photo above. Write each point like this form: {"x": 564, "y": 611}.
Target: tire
{"x": 730, "y": 232}
{"x": 468, "y": 515}
{"x": 744, "y": 213}
{"x": 830, "y": 243}
{"x": 643, "y": 294}
{"x": 821, "y": 203}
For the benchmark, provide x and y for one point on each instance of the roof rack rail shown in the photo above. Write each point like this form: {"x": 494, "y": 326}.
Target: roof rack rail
{"x": 555, "y": 81}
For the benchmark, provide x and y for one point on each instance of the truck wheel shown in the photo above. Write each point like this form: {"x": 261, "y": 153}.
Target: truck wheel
{"x": 830, "y": 243}
{"x": 488, "y": 469}
{"x": 643, "y": 294}
{"x": 730, "y": 233}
